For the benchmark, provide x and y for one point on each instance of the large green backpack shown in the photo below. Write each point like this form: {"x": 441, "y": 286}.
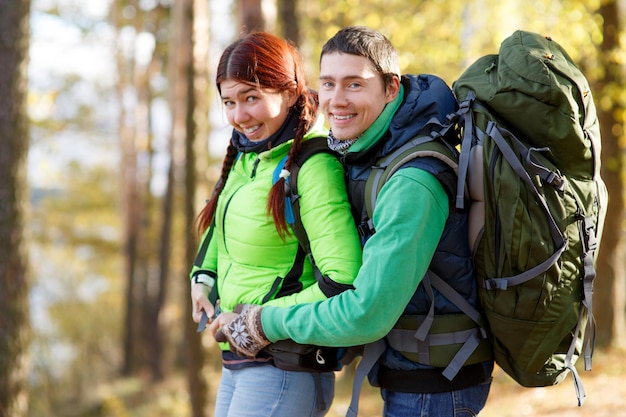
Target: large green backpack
{"x": 530, "y": 160}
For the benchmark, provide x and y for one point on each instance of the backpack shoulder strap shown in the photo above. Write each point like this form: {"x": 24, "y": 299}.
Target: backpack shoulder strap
{"x": 421, "y": 146}
{"x": 292, "y": 207}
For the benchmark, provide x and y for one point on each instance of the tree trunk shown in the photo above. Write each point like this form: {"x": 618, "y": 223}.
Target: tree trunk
{"x": 250, "y": 16}
{"x": 289, "y": 20}
{"x": 14, "y": 327}
{"x": 156, "y": 279}
{"x": 610, "y": 283}
{"x": 196, "y": 127}
{"x": 128, "y": 174}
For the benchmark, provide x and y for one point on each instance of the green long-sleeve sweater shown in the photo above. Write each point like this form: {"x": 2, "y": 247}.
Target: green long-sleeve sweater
{"x": 395, "y": 259}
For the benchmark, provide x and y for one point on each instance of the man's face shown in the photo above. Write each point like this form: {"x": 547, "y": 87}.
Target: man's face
{"x": 352, "y": 94}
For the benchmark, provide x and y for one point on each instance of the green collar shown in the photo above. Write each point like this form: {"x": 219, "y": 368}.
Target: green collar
{"x": 380, "y": 125}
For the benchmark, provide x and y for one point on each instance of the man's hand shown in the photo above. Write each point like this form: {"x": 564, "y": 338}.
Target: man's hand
{"x": 220, "y": 321}
{"x": 244, "y": 334}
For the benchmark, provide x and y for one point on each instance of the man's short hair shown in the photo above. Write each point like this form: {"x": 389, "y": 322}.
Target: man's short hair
{"x": 369, "y": 43}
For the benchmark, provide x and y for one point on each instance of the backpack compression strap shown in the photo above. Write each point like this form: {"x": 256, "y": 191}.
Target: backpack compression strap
{"x": 497, "y": 134}
{"x": 419, "y": 341}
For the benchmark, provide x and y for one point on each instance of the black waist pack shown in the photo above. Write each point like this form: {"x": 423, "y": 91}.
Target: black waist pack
{"x": 291, "y": 356}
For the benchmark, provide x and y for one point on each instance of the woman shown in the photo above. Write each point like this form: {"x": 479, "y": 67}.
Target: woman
{"x": 247, "y": 249}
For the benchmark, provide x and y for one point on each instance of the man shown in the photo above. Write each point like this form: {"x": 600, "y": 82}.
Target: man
{"x": 414, "y": 237}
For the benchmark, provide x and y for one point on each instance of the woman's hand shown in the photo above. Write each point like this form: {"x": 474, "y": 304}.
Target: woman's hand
{"x": 200, "y": 301}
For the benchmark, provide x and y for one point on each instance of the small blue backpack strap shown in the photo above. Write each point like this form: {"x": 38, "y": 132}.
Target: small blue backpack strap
{"x": 289, "y": 216}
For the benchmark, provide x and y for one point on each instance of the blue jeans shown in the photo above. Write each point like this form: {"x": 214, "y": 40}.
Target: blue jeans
{"x": 264, "y": 391}
{"x": 466, "y": 402}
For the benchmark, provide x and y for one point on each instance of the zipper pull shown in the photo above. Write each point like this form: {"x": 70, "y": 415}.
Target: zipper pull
{"x": 256, "y": 164}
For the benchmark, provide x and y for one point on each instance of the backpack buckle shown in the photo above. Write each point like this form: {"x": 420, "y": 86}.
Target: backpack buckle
{"x": 366, "y": 229}
{"x": 589, "y": 234}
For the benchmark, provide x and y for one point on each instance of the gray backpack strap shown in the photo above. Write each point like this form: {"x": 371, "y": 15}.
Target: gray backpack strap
{"x": 421, "y": 335}
{"x": 581, "y": 395}
{"x": 465, "y": 113}
{"x": 388, "y": 165}
{"x": 371, "y": 353}
{"x": 590, "y": 244}
{"x": 474, "y": 336}
{"x": 496, "y": 133}
{"x": 420, "y": 341}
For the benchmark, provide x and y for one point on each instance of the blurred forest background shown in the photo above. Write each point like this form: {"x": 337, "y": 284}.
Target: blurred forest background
{"x": 111, "y": 137}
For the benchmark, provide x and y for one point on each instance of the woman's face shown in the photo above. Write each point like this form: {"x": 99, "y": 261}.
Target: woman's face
{"x": 256, "y": 112}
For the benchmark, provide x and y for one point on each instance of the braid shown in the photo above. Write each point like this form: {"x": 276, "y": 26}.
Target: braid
{"x": 205, "y": 218}
{"x": 276, "y": 199}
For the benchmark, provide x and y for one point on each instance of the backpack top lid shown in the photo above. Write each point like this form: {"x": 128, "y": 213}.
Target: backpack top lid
{"x": 534, "y": 87}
